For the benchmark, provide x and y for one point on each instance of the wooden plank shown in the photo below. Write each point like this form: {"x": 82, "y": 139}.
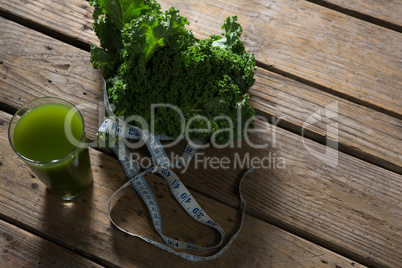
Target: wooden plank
{"x": 306, "y": 194}
{"x": 353, "y": 207}
{"x": 343, "y": 55}
{"x": 83, "y": 225}
{"x": 47, "y": 68}
{"x": 66, "y": 72}
{"x": 360, "y": 131}
{"x": 347, "y": 56}
{"x": 389, "y": 11}
{"x": 62, "y": 18}
{"x": 20, "y": 248}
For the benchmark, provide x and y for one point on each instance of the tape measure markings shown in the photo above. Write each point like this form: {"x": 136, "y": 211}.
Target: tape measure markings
{"x": 118, "y": 128}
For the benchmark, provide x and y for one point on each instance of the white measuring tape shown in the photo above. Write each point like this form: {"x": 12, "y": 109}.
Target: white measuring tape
{"x": 116, "y": 127}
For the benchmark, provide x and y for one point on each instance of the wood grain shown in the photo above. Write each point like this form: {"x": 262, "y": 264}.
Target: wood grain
{"x": 336, "y": 206}
{"x": 343, "y": 207}
{"x": 63, "y": 19}
{"x": 360, "y": 131}
{"x": 389, "y": 10}
{"x": 347, "y": 56}
{"x": 35, "y": 65}
{"x": 353, "y": 206}
{"x": 83, "y": 225}
{"x": 340, "y": 54}
{"x": 20, "y": 248}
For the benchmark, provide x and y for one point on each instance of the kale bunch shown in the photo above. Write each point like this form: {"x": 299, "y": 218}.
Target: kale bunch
{"x": 149, "y": 57}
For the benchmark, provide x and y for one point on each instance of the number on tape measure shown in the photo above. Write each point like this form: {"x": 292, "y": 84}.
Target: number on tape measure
{"x": 114, "y": 126}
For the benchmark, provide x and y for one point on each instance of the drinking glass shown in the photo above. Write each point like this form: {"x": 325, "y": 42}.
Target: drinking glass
{"x": 48, "y": 134}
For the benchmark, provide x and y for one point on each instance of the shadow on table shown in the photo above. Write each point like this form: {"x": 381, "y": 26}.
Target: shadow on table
{"x": 67, "y": 223}
{"x": 130, "y": 213}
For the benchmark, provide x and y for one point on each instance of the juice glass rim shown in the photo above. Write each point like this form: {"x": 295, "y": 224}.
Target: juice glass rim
{"x": 55, "y": 160}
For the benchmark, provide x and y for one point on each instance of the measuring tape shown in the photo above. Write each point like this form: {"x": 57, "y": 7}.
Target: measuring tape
{"x": 118, "y": 128}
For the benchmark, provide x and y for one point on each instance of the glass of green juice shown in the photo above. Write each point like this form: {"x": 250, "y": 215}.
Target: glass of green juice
{"x": 49, "y": 135}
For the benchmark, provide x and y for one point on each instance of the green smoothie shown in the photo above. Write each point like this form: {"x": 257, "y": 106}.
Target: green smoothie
{"x": 41, "y": 136}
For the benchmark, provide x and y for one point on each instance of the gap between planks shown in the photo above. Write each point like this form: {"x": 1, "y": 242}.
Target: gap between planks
{"x": 82, "y": 44}
{"x": 26, "y": 228}
{"x": 32, "y": 24}
{"x": 358, "y": 15}
{"x": 290, "y": 126}
{"x": 284, "y": 124}
{"x": 328, "y": 90}
{"x": 26, "y": 224}
{"x": 21, "y": 248}
{"x": 289, "y": 228}
{"x": 316, "y": 137}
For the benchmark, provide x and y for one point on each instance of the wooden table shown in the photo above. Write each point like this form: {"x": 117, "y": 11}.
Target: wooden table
{"x": 330, "y": 73}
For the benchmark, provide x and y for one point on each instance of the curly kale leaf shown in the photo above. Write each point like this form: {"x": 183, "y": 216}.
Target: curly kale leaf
{"x": 110, "y": 17}
{"x": 149, "y": 57}
{"x": 231, "y": 36}
{"x": 146, "y": 35}
{"x": 208, "y": 83}
{"x": 121, "y": 12}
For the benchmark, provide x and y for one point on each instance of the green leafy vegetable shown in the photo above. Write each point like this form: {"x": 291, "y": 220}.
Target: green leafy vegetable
{"x": 150, "y": 57}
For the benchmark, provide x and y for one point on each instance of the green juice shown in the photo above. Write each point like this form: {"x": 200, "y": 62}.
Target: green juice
{"x": 41, "y": 136}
